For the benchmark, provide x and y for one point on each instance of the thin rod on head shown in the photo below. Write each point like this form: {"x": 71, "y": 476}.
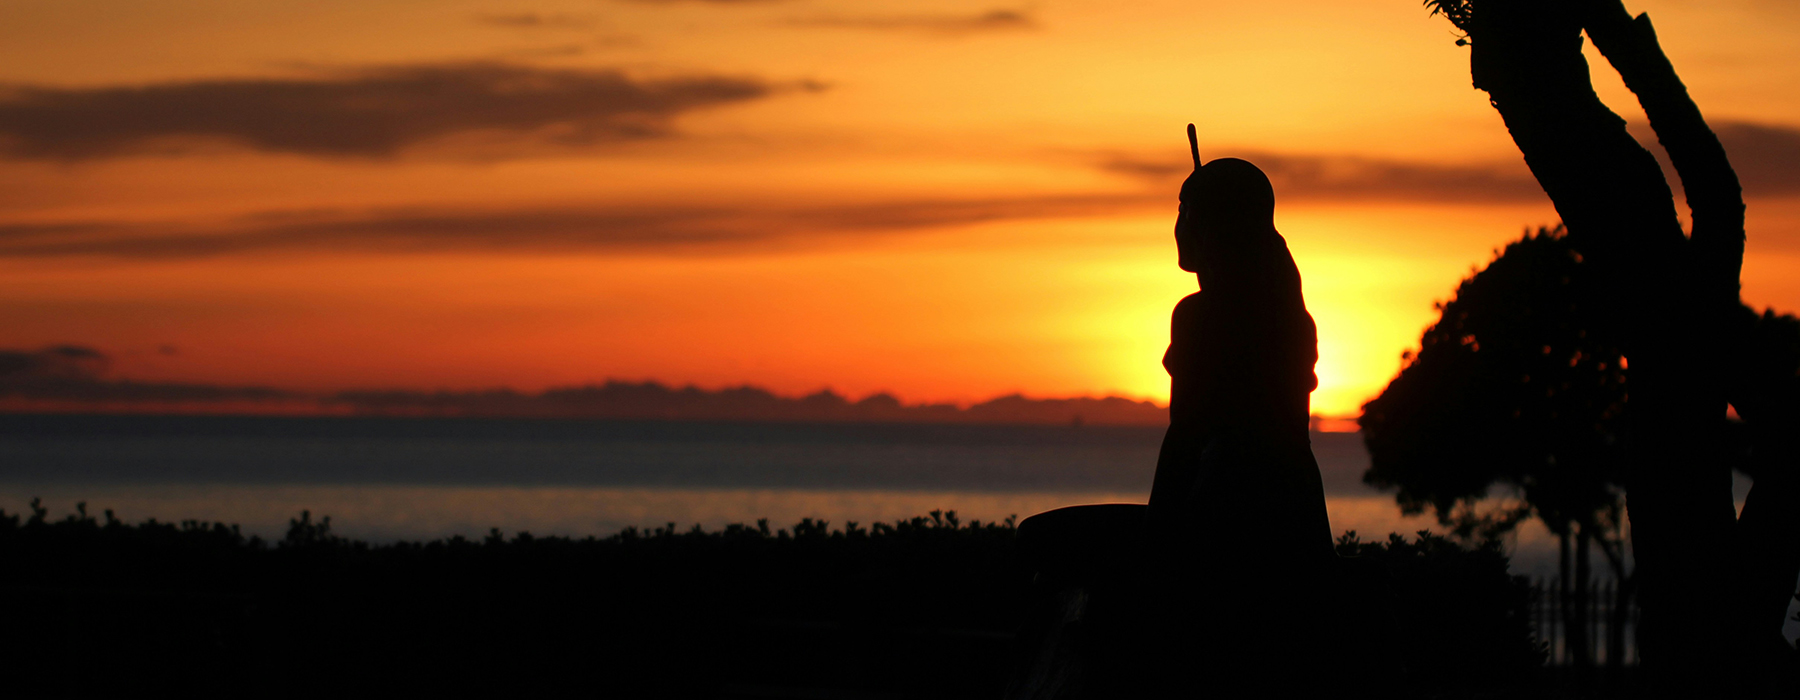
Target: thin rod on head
{"x": 1194, "y": 146}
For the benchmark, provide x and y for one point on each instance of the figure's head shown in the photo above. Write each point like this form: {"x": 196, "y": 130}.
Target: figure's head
{"x": 1225, "y": 205}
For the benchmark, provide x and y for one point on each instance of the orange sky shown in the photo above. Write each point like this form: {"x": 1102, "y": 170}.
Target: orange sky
{"x": 946, "y": 200}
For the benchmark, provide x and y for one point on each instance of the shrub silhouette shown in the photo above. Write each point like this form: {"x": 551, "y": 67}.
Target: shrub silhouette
{"x": 921, "y": 607}
{"x": 1464, "y": 622}
{"x": 1518, "y": 385}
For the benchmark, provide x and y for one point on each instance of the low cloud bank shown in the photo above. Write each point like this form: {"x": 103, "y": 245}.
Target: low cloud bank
{"x": 654, "y": 400}
{"x": 667, "y": 230}
{"x": 73, "y": 379}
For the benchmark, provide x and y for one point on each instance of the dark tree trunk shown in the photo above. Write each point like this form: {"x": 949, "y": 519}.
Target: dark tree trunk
{"x": 1766, "y": 537}
{"x": 1564, "y": 598}
{"x": 1714, "y": 197}
{"x": 1623, "y": 599}
{"x": 1661, "y": 295}
{"x": 1768, "y": 531}
{"x": 1624, "y": 586}
{"x": 1580, "y": 611}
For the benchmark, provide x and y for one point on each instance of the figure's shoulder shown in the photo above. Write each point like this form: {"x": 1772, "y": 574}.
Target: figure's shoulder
{"x": 1191, "y": 314}
{"x": 1190, "y": 303}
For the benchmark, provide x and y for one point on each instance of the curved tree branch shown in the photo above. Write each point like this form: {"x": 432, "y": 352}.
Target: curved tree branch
{"x": 1713, "y": 194}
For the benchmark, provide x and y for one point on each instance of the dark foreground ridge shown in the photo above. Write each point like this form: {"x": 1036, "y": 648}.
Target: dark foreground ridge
{"x": 920, "y": 608}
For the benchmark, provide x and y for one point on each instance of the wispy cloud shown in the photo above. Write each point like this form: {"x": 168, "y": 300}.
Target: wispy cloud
{"x": 670, "y": 230}
{"x": 535, "y": 20}
{"x": 998, "y": 20}
{"x": 1766, "y": 157}
{"x": 371, "y": 113}
{"x": 705, "y": 2}
{"x": 1329, "y": 177}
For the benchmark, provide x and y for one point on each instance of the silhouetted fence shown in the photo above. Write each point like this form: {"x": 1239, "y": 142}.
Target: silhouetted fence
{"x": 1594, "y": 636}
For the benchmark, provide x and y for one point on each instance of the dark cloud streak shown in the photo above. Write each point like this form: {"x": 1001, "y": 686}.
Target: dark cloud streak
{"x": 535, "y": 20}
{"x": 1310, "y": 177}
{"x": 371, "y": 113}
{"x": 670, "y": 230}
{"x": 704, "y": 2}
{"x": 77, "y": 373}
{"x": 990, "y": 21}
{"x": 1765, "y": 156}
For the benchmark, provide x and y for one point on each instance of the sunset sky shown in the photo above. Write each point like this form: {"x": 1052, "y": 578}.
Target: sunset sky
{"x": 943, "y": 199}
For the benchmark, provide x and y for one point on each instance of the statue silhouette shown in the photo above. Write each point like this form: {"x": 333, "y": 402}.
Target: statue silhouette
{"x": 1217, "y": 583}
{"x": 1240, "y": 362}
{"x": 1237, "y": 540}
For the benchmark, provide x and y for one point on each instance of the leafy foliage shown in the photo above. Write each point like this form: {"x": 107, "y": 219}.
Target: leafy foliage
{"x": 1464, "y": 620}
{"x": 1515, "y": 385}
{"x": 1461, "y": 13}
{"x": 1511, "y": 386}
{"x": 664, "y": 612}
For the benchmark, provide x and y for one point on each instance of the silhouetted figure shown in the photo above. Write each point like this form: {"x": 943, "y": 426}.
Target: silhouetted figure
{"x": 1237, "y": 541}
{"x": 1219, "y": 585}
{"x": 1240, "y": 362}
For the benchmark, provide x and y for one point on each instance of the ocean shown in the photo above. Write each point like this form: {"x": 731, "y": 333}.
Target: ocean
{"x": 385, "y": 479}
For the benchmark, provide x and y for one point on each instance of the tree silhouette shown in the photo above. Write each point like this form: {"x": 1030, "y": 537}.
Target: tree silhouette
{"x": 1669, "y": 300}
{"x": 1512, "y": 387}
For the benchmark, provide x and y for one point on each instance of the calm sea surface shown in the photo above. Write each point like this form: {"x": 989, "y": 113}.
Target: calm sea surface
{"x": 389, "y": 478}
